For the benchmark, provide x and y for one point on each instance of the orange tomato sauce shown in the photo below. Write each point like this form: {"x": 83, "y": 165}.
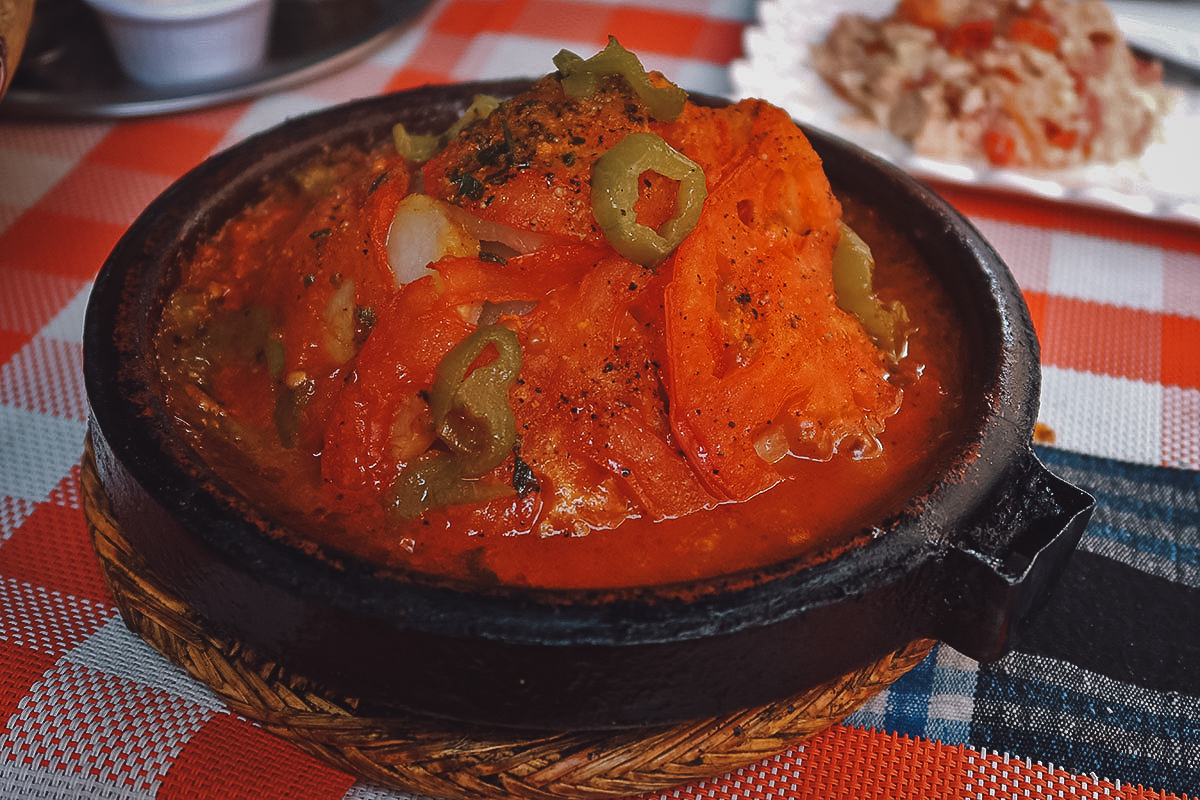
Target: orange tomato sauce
{"x": 304, "y": 430}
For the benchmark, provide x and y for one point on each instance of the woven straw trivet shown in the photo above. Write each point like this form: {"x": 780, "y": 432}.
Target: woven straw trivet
{"x": 445, "y": 759}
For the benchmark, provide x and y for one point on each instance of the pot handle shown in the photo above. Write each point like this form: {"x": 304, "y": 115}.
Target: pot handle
{"x": 1004, "y": 568}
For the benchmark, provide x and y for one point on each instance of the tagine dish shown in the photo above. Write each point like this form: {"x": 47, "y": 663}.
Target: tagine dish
{"x": 578, "y": 405}
{"x": 463, "y": 362}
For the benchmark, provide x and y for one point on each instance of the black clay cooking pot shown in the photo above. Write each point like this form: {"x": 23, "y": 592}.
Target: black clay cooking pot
{"x": 964, "y": 561}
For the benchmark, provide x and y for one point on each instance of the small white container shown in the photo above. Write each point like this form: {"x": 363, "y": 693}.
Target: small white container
{"x": 164, "y": 43}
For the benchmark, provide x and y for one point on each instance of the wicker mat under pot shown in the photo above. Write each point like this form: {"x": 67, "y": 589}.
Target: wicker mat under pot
{"x": 449, "y": 760}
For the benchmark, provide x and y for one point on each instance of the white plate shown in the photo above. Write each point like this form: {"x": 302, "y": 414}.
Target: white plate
{"x": 1163, "y": 184}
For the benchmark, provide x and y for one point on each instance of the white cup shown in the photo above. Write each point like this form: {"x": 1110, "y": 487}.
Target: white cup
{"x": 163, "y": 43}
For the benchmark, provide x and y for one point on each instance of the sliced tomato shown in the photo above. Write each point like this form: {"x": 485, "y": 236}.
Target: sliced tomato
{"x": 384, "y": 195}
{"x": 375, "y": 422}
{"x": 325, "y": 273}
{"x": 591, "y": 407}
{"x": 528, "y": 277}
{"x": 308, "y": 258}
{"x": 529, "y": 164}
{"x": 625, "y": 368}
{"x": 754, "y": 338}
{"x": 710, "y": 137}
{"x": 323, "y": 286}
{"x": 589, "y": 403}
{"x": 361, "y": 439}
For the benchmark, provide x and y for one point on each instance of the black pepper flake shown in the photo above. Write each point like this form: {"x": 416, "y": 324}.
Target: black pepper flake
{"x": 524, "y": 482}
{"x": 492, "y": 258}
{"x": 493, "y": 154}
{"x": 320, "y": 234}
{"x": 744, "y": 297}
{"x": 467, "y": 186}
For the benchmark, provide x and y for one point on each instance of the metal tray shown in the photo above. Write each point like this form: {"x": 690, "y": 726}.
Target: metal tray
{"x": 69, "y": 71}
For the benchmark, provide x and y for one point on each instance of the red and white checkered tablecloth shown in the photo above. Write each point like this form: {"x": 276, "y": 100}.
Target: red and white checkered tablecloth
{"x": 88, "y": 710}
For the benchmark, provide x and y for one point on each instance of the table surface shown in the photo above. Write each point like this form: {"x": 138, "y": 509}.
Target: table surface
{"x": 1102, "y": 699}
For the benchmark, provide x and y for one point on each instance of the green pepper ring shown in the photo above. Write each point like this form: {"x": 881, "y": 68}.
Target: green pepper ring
{"x": 615, "y": 190}
{"x": 580, "y": 77}
{"x": 482, "y": 394}
{"x": 446, "y": 477}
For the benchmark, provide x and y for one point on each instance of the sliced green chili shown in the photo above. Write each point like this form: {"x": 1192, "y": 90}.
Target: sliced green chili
{"x": 853, "y": 281}
{"x": 434, "y": 481}
{"x": 470, "y": 407}
{"x": 419, "y": 148}
{"x": 615, "y": 189}
{"x": 581, "y": 77}
{"x": 472, "y": 416}
{"x": 414, "y": 147}
{"x": 482, "y": 106}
